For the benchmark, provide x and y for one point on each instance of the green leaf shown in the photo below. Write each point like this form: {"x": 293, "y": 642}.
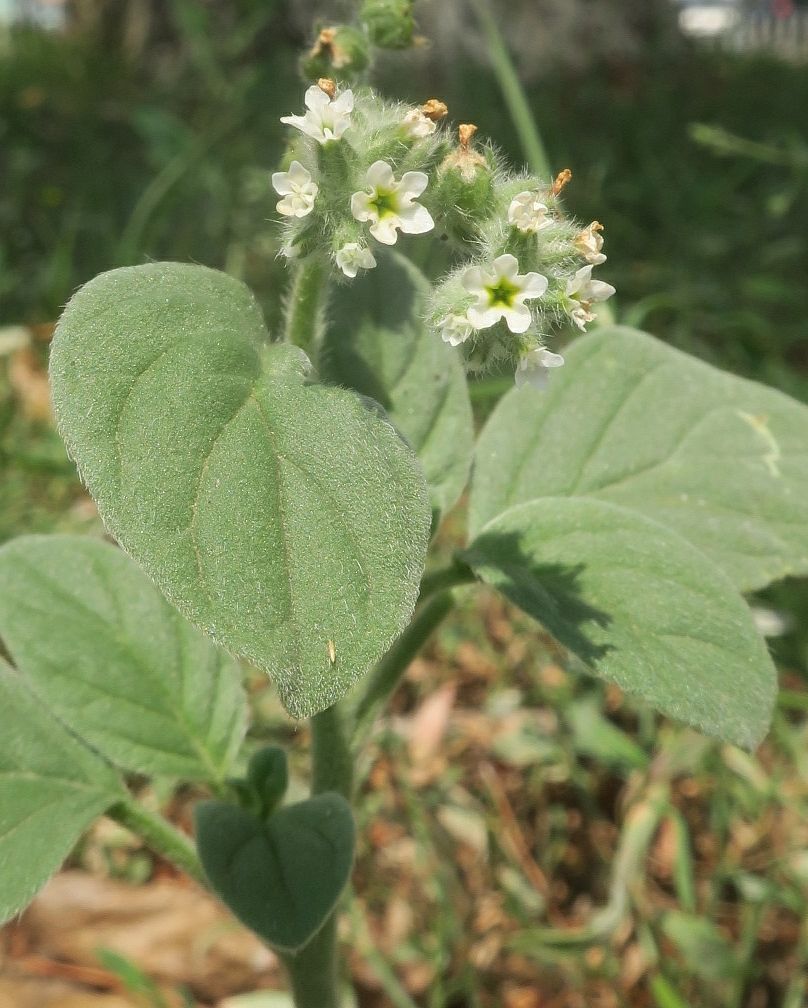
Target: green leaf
{"x": 51, "y": 789}
{"x": 282, "y": 878}
{"x": 638, "y": 605}
{"x": 720, "y": 460}
{"x": 594, "y": 735}
{"x": 279, "y": 516}
{"x": 115, "y": 662}
{"x": 377, "y": 343}
{"x": 704, "y": 949}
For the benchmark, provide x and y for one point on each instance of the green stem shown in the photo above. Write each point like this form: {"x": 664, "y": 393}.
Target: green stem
{"x": 455, "y": 573}
{"x": 159, "y": 835}
{"x": 314, "y": 971}
{"x": 386, "y": 676}
{"x": 512, "y": 91}
{"x": 306, "y": 304}
{"x": 332, "y": 754}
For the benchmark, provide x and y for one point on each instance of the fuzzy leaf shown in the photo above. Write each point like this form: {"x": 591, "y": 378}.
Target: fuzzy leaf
{"x": 720, "y": 460}
{"x": 115, "y": 662}
{"x": 638, "y": 605}
{"x": 377, "y": 343}
{"x": 283, "y": 877}
{"x": 281, "y": 517}
{"x": 51, "y": 789}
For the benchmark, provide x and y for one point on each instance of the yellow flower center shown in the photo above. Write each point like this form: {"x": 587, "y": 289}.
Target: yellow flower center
{"x": 502, "y": 293}
{"x": 384, "y": 202}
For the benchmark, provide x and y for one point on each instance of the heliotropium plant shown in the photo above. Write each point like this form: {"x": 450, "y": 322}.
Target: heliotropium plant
{"x": 275, "y": 496}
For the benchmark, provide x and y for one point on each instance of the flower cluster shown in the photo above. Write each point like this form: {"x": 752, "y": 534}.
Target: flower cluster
{"x": 363, "y": 171}
{"x": 531, "y": 272}
{"x": 359, "y": 169}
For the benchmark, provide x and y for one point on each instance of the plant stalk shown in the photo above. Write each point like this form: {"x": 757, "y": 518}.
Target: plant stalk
{"x": 512, "y": 91}
{"x": 304, "y": 309}
{"x": 314, "y": 971}
{"x": 159, "y": 835}
{"x": 387, "y": 675}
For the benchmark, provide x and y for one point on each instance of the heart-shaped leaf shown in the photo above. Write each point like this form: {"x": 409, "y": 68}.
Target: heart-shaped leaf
{"x": 286, "y": 519}
{"x": 283, "y": 877}
{"x": 377, "y": 343}
{"x": 720, "y": 460}
{"x": 115, "y": 662}
{"x": 51, "y": 789}
{"x": 639, "y": 605}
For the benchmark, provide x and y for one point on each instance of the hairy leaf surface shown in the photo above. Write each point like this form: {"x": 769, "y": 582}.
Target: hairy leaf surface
{"x": 378, "y": 344}
{"x": 51, "y": 789}
{"x": 286, "y": 519}
{"x": 114, "y": 661}
{"x": 720, "y": 460}
{"x": 638, "y": 605}
{"x": 283, "y": 877}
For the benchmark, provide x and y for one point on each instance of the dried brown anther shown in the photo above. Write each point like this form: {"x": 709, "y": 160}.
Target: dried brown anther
{"x": 434, "y": 109}
{"x": 328, "y": 86}
{"x": 561, "y": 180}
{"x": 465, "y": 132}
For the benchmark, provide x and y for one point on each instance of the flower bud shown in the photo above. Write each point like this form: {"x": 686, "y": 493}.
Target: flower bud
{"x": 341, "y": 53}
{"x": 465, "y": 189}
{"x": 389, "y": 23}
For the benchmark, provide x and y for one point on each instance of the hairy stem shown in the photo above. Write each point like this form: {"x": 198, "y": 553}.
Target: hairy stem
{"x": 314, "y": 971}
{"x": 512, "y": 91}
{"x": 306, "y": 304}
{"x": 159, "y": 835}
{"x": 386, "y": 676}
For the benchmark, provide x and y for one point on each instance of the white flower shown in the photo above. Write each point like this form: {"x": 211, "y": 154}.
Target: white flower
{"x": 417, "y": 125}
{"x": 326, "y": 118}
{"x": 352, "y": 257}
{"x": 582, "y": 291}
{"x": 590, "y": 242}
{"x": 534, "y": 365}
{"x": 390, "y": 204}
{"x": 501, "y": 292}
{"x": 297, "y": 189}
{"x": 455, "y": 329}
{"x": 528, "y": 213}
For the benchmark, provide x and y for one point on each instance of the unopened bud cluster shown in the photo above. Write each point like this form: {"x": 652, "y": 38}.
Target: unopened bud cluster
{"x": 361, "y": 170}
{"x": 344, "y": 52}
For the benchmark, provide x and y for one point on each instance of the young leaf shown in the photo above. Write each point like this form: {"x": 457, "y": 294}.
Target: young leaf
{"x": 720, "y": 460}
{"x": 286, "y": 519}
{"x": 51, "y": 789}
{"x": 377, "y": 343}
{"x": 118, "y": 664}
{"x": 638, "y": 605}
{"x": 283, "y": 877}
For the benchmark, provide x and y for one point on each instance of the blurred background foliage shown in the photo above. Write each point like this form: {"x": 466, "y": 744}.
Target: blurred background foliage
{"x": 147, "y": 129}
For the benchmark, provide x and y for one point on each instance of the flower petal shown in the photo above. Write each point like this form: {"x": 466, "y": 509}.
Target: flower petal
{"x": 281, "y": 183}
{"x": 360, "y": 207}
{"x": 506, "y": 266}
{"x": 413, "y": 183}
{"x": 533, "y": 285}
{"x": 599, "y": 290}
{"x": 415, "y": 219}
{"x": 380, "y": 174}
{"x": 481, "y": 317}
{"x": 474, "y": 281}
{"x": 316, "y": 99}
{"x": 385, "y": 230}
{"x": 517, "y": 318}
{"x": 343, "y": 104}
{"x": 548, "y": 359}
{"x": 298, "y": 175}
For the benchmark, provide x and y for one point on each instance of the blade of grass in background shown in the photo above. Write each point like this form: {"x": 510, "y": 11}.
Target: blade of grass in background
{"x": 512, "y": 91}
